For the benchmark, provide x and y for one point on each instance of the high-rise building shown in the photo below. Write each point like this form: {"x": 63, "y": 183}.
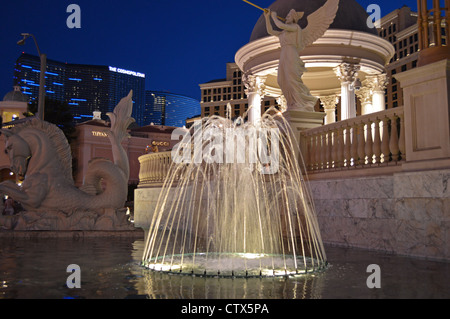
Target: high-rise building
{"x": 216, "y": 94}
{"x": 122, "y": 82}
{"x": 27, "y": 73}
{"x": 164, "y": 108}
{"x": 155, "y": 108}
{"x": 85, "y": 88}
{"x": 400, "y": 27}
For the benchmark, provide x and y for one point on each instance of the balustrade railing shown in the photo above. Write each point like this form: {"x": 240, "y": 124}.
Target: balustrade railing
{"x": 370, "y": 140}
{"x": 154, "y": 167}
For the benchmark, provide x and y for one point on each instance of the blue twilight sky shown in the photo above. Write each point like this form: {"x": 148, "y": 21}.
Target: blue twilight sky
{"x": 177, "y": 44}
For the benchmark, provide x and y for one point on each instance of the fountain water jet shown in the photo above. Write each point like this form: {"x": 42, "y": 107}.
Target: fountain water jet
{"x": 229, "y": 217}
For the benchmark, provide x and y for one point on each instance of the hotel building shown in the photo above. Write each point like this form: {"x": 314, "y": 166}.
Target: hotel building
{"x": 165, "y": 108}
{"x": 400, "y": 28}
{"x": 216, "y": 94}
{"x": 85, "y": 88}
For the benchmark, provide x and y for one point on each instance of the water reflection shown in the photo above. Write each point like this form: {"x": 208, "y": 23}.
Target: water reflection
{"x": 110, "y": 268}
{"x": 159, "y": 286}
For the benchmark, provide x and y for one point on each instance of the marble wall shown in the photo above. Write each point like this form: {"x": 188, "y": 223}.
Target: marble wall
{"x": 405, "y": 213}
{"x": 145, "y": 204}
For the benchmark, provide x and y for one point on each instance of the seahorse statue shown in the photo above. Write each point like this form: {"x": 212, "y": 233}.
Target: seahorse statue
{"x": 41, "y": 157}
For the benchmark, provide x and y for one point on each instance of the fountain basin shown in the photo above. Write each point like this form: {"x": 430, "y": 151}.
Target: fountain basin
{"x": 239, "y": 265}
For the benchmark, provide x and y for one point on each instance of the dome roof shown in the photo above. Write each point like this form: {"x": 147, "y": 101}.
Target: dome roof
{"x": 350, "y": 16}
{"x": 16, "y": 95}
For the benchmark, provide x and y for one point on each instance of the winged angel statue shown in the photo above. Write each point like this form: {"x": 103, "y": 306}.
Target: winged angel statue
{"x": 293, "y": 39}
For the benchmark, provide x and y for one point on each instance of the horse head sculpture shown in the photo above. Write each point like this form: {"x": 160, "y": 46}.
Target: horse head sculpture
{"x": 41, "y": 157}
{"x": 19, "y": 153}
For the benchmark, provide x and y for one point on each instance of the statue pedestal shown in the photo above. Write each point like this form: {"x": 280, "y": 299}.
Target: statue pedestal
{"x": 301, "y": 121}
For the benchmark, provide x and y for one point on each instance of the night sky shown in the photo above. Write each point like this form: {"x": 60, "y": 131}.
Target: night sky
{"x": 177, "y": 44}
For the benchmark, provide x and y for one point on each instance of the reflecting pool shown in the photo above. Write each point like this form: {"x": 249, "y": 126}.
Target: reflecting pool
{"x": 110, "y": 269}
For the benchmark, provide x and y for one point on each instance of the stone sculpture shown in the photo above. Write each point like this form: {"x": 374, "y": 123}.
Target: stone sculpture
{"x": 293, "y": 39}
{"x": 40, "y": 156}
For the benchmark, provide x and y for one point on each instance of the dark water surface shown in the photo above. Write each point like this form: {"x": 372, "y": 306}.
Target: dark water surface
{"x": 110, "y": 269}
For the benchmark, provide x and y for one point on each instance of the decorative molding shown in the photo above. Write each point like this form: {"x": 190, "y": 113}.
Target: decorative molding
{"x": 359, "y": 41}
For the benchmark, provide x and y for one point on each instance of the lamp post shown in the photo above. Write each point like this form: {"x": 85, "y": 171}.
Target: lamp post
{"x": 43, "y": 57}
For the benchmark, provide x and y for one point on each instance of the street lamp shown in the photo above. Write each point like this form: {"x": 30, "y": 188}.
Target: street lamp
{"x": 43, "y": 57}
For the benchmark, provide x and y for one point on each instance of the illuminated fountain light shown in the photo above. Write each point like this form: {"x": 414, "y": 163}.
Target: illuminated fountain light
{"x": 236, "y": 218}
{"x": 232, "y": 265}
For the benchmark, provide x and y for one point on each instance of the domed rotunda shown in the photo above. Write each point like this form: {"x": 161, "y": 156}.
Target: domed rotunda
{"x": 14, "y": 104}
{"x": 347, "y": 62}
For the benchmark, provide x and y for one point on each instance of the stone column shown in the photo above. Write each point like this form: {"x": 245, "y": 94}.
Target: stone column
{"x": 377, "y": 84}
{"x": 254, "y": 88}
{"x": 329, "y": 104}
{"x": 347, "y": 73}
{"x": 364, "y": 95}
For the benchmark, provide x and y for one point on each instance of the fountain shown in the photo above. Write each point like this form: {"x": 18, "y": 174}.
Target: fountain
{"x": 248, "y": 213}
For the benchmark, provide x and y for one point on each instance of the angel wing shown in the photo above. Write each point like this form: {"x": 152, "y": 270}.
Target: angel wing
{"x": 319, "y": 21}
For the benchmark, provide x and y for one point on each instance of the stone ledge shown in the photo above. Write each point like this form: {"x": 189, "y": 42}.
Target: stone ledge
{"x": 375, "y": 170}
{"x": 75, "y": 234}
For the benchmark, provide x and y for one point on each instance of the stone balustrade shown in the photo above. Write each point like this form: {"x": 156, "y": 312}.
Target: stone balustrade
{"x": 372, "y": 140}
{"x": 154, "y": 168}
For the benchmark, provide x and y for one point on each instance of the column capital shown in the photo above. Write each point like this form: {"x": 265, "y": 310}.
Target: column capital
{"x": 329, "y": 104}
{"x": 364, "y": 94}
{"x": 329, "y": 101}
{"x": 377, "y": 83}
{"x": 254, "y": 84}
{"x": 347, "y": 72}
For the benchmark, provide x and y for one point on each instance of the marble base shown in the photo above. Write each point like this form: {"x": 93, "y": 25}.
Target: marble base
{"x": 145, "y": 204}
{"x": 405, "y": 213}
{"x": 145, "y": 200}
